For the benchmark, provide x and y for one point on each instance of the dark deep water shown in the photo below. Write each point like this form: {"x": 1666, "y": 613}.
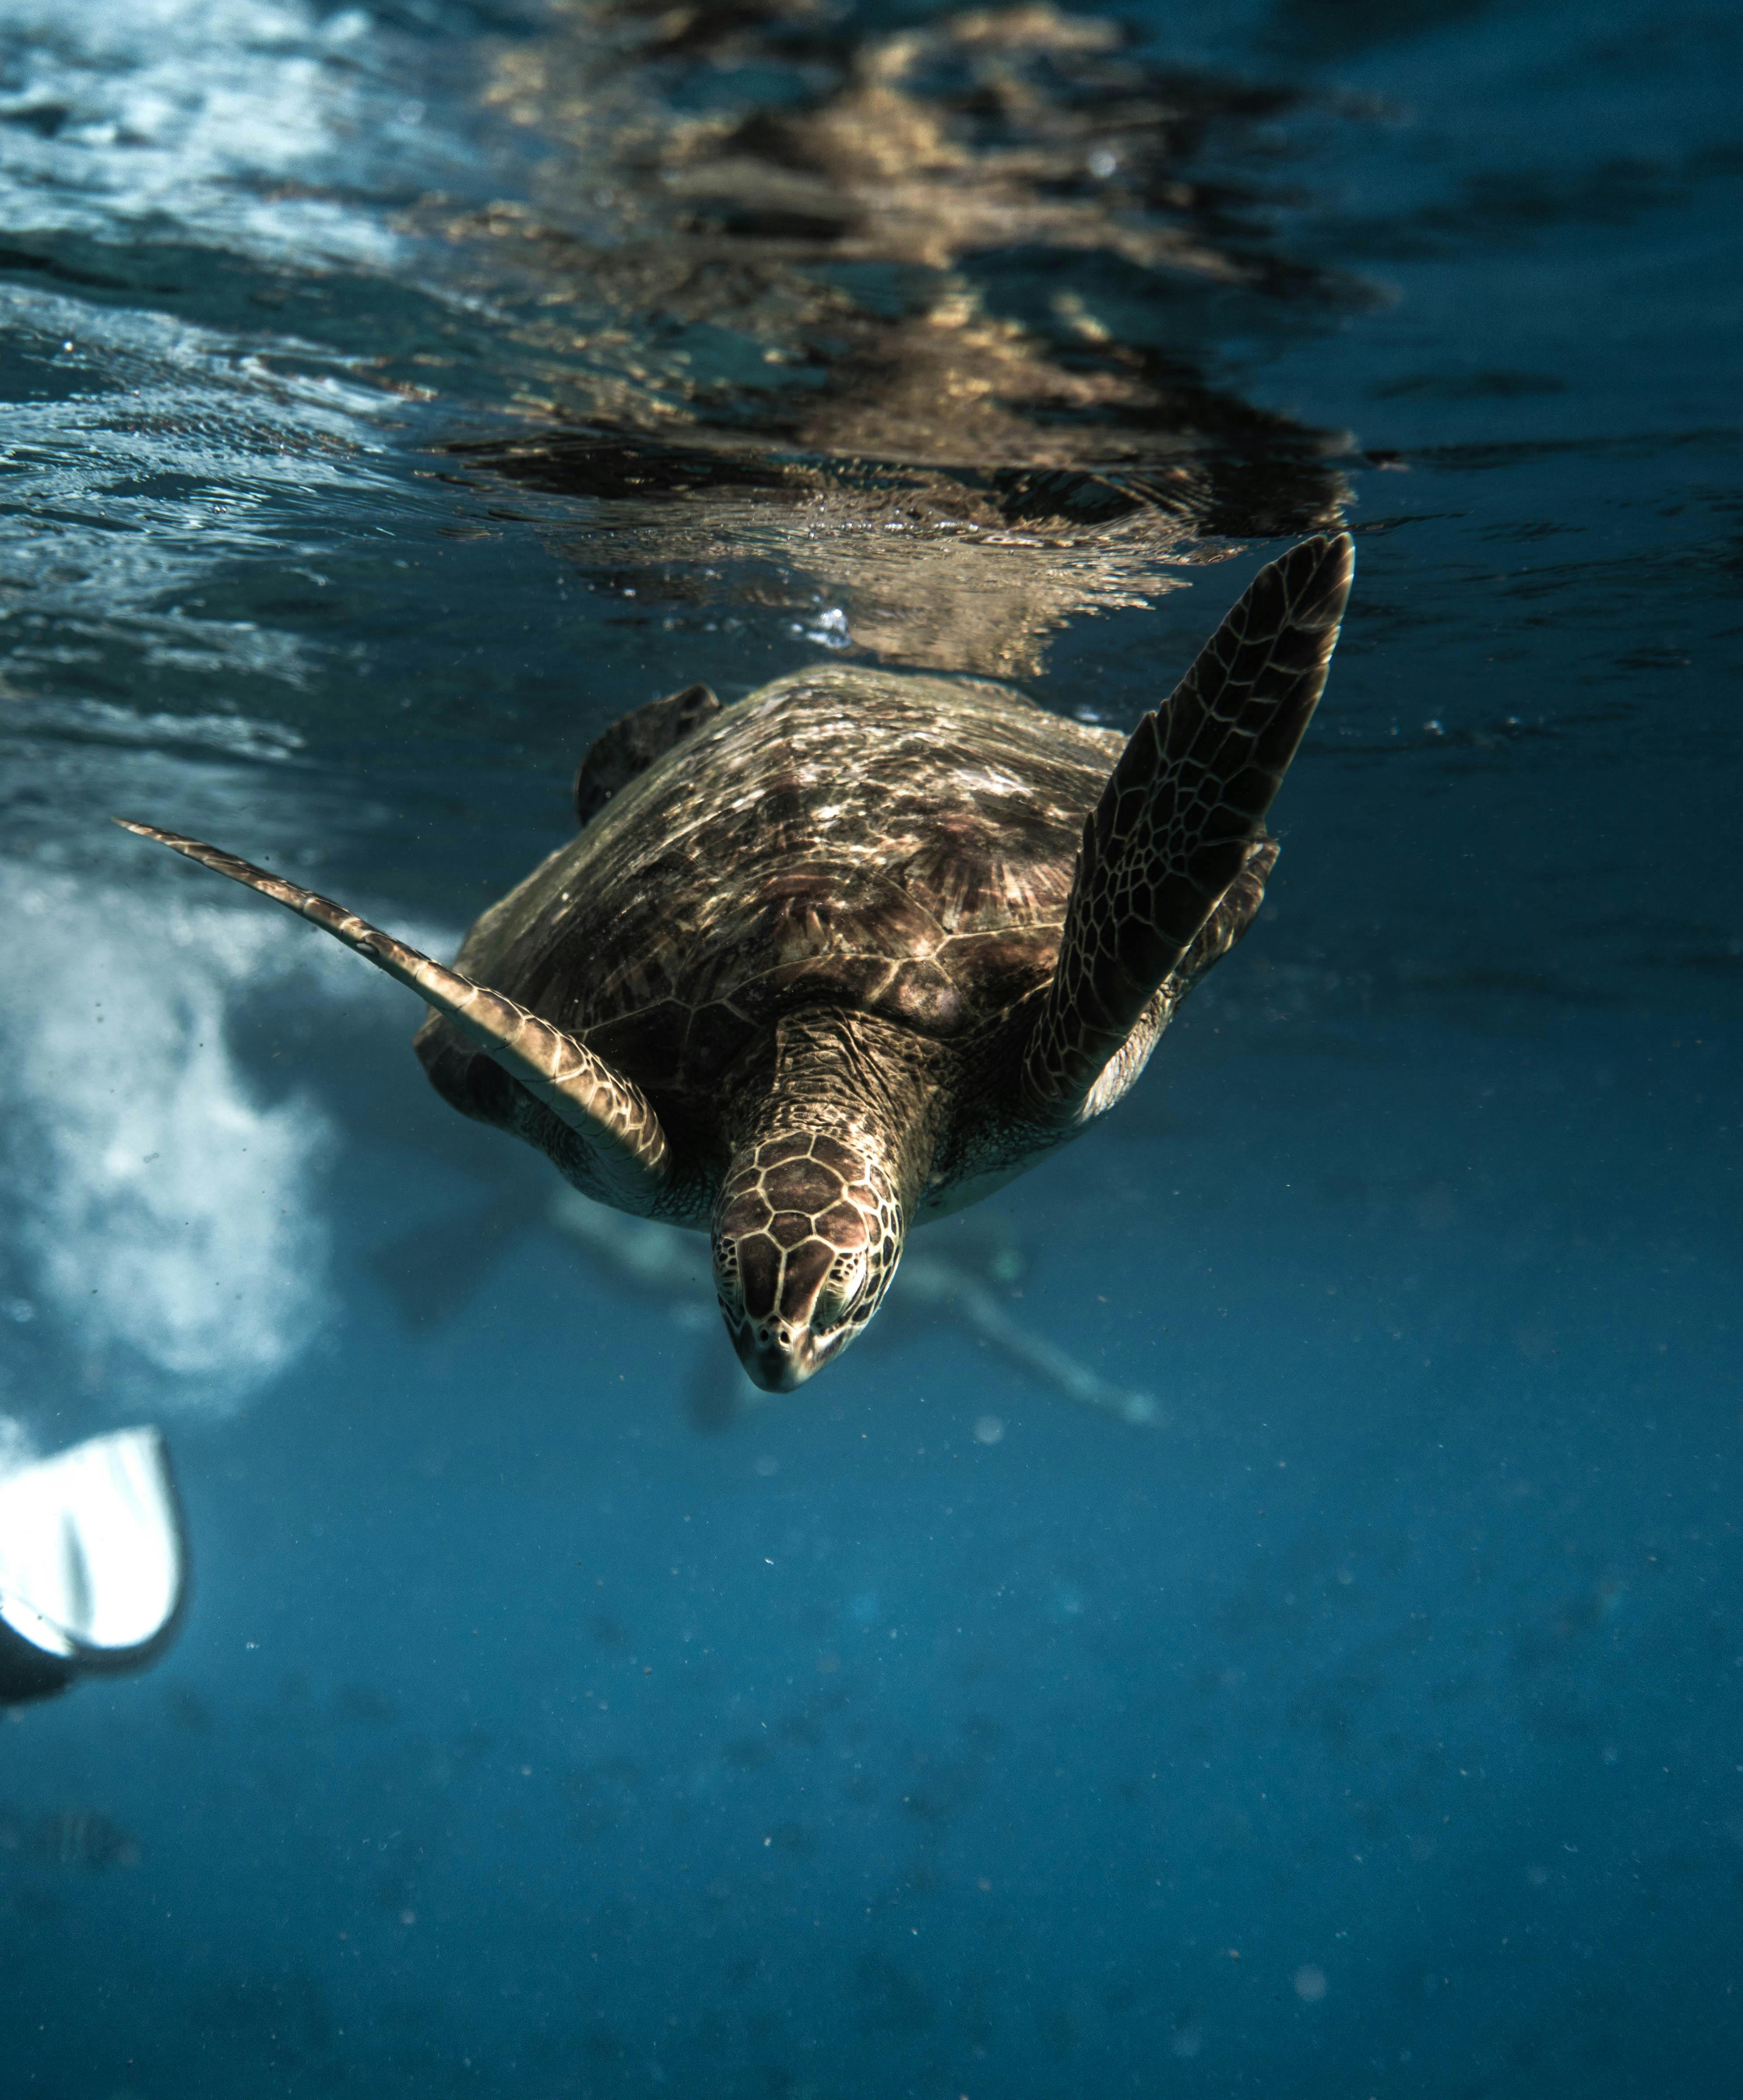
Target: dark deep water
{"x": 394, "y": 397}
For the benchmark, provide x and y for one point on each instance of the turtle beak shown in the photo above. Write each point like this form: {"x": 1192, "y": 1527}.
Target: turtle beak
{"x": 782, "y": 1362}
{"x": 770, "y": 1301}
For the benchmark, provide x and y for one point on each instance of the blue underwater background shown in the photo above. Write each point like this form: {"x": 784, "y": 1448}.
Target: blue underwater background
{"x": 395, "y": 395}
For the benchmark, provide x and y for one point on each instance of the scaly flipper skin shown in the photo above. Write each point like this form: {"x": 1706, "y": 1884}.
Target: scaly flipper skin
{"x": 621, "y": 1131}
{"x": 1180, "y": 826}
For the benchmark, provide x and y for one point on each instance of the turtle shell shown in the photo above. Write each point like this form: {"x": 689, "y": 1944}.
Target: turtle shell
{"x": 900, "y": 846}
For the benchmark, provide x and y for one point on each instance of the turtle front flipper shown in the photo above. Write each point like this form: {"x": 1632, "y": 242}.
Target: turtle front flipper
{"x": 623, "y": 1136}
{"x": 1174, "y": 855}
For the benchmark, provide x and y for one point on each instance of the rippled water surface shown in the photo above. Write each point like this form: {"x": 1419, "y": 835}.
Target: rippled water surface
{"x": 1288, "y": 1637}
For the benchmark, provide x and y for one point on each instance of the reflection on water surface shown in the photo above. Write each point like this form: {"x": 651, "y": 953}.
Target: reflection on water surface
{"x": 932, "y": 296}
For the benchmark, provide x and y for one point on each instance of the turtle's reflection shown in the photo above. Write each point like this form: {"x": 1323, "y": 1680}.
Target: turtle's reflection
{"x": 925, "y": 317}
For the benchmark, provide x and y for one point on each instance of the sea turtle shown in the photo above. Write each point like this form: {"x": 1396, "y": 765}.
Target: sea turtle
{"x": 860, "y": 947}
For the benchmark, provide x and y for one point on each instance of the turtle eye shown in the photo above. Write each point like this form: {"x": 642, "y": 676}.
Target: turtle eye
{"x": 841, "y": 1290}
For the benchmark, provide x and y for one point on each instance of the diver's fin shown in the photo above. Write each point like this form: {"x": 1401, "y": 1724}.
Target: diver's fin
{"x": 1174, "y": 854}
{"x": 626, "y": 1146}
{"x": 93, "y": 1564}
{"x": 630, "y": 746}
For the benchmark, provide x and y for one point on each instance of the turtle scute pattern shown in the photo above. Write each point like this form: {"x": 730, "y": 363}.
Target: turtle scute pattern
{"x": 807, "y": 1234}
{"x": 893, "y": 845}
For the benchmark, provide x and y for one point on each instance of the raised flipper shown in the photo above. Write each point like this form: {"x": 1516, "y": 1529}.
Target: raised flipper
{"x": 626, "y": 1146}
{"x": 630, "y": 747}
{"x": 1174, "y": 854}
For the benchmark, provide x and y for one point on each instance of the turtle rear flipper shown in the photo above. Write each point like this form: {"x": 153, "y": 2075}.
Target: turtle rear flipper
{"x": 1174, "y": 855}
{"x": 625, "y": 1143}
{"x": 630, "y": 746}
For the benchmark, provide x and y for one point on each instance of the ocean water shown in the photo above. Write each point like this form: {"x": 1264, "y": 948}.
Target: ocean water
{"x": 395, "y": 395}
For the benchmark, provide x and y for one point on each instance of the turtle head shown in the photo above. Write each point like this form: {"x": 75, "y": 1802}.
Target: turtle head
{"x": 807, "y": 1234}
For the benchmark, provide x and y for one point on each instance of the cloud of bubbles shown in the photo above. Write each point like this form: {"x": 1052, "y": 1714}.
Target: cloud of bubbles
{"x": 164, "y": 1221}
